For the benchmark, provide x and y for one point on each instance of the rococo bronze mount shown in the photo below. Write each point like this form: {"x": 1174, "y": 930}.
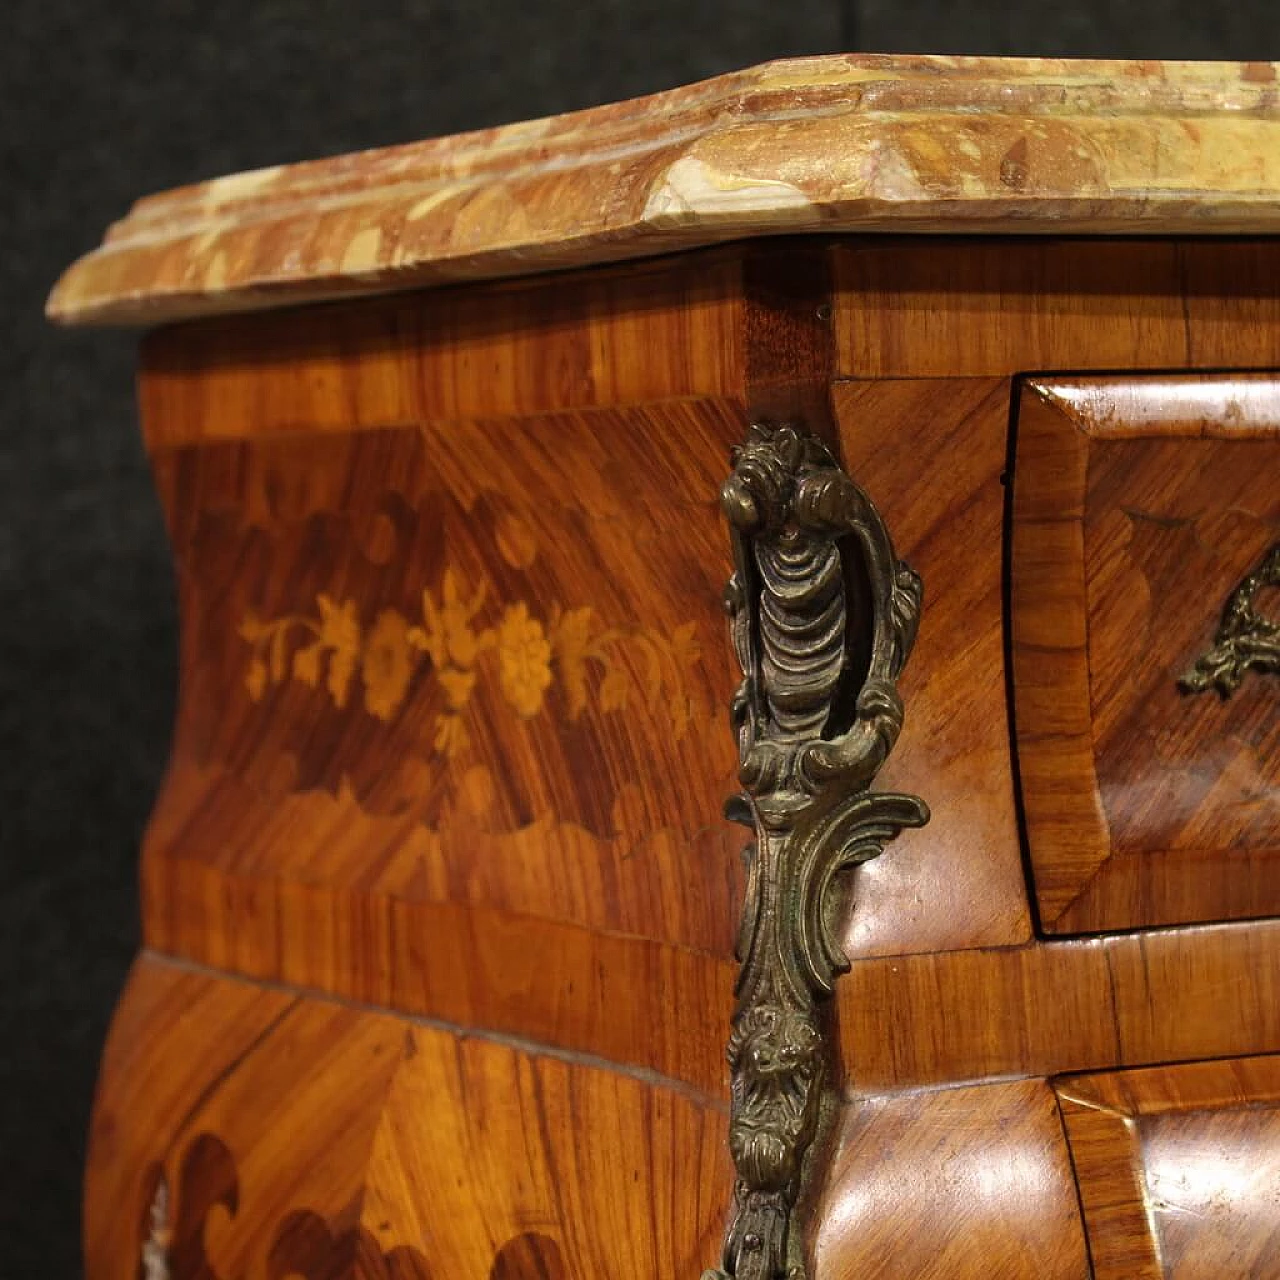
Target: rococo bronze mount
{"x": 1246, "y": 639}
{"x": 823, "y": 616}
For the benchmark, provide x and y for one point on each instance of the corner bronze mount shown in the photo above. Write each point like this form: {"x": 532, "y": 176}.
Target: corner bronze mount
{"x": 1246, "y": 640}
{"x": 823, "y": 616}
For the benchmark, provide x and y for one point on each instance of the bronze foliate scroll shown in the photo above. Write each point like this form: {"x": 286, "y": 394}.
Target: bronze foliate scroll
{"x": 1246, "y": 639}
{"x": 823, "y": 616}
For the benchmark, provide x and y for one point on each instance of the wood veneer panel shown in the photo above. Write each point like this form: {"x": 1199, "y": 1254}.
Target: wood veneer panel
{"x": 301, "y": 1137}
{"x": 1138, "y": 505}
{"x": 1113, "y": 1195}
{"x": 631, "y": 1001}
{"x": 507, "y": 638}
{"x": 950, "y": 1184}
{"x": 196, "y": 1057}
{"x": 288, "y": 843}
{"x": 174, "y": 1037}
{"x": 949, "y": 308}
{"x": 1172, "y": 1090}
{"x": 440, "y": 671}
{"x": 958, "y": 882}
{"x": 1170, "y": 986}
{"x": 903, "y": 1021}
{"x": 649, "y": 332}
{"x": 1177, "y": 1168}
{"x": 425, "y": 743}
{"x": 1052, "y": 1007}
{"x": 1049, "y": 632}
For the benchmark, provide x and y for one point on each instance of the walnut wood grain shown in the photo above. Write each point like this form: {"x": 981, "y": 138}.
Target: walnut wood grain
{"x": 956, "y": 308}
{"x": 950, "y": 1184}
{"x": 1138, "y": 504}
{"x": 298, "y": 1137}
{"x": 1177, "y": 1168}
{"x": 423, "y": 722}
{"x": 695, "y": 326}
{"x": 960, "y": 882}
{"x": 984, "y": 1166}
{"x": 273, "y": 1075}
{"x": 348, "y": 451}
{"x": 416, "y": 700}
{"x": 589, "y": 340}
{"x": 175, "y": 1036}
{"x": 1052, "y": 1007}
{"x": 905, "y": 1021}
{"x": 821, "y": 144}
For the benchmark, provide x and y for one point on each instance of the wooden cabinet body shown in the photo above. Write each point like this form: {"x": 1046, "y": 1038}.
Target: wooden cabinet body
{"x": 440, "y": 912}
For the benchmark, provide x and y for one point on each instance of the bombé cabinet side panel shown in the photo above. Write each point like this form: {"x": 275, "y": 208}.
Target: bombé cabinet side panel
{"x": 248, "y": 1133}
{"x": 450, "y": 579}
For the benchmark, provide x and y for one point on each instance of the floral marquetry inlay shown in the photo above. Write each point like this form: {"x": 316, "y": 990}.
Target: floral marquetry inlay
{"x": 465, "y": 688}
{"x": 461, "y": 638}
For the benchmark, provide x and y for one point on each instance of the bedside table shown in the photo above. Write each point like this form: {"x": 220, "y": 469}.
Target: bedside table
{"x": 962, "y": 374}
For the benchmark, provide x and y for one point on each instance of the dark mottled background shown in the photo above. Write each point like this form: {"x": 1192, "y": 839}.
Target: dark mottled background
{"x": 102, "y": 102}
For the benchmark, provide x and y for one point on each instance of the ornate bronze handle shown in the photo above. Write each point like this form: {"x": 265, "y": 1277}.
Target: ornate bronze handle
{"x": 1246, "y": 639}
{"x": 823, "y": 616}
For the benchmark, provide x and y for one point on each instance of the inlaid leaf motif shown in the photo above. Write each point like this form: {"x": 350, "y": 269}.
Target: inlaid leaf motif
{"x": 569, "y": 654}
{"x": 570, "y": 643}
{"x": 304, "y": 1246}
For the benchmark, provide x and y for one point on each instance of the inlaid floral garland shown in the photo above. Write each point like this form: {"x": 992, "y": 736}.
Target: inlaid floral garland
{"x": 331, "y": 648}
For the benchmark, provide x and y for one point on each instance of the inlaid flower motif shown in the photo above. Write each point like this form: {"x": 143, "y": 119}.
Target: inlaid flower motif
{"x": 447, "y": 634}
{"x": 615, "y": 689}
{"x": 524, "y": 658}
{"x": 340, "y": 634}
{"x": 609, "y": 668}
{"x": 451, "y": 737}
{"x": 339, "y": 624}
{"x": 571, "y": 642}
{"x": 387, "y": 665}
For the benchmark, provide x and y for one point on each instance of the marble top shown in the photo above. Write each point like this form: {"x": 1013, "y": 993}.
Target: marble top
{"x": 862, "y": 144}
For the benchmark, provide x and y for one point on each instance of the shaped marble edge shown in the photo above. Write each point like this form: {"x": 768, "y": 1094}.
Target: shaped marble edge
{"x": 869, "y": 143}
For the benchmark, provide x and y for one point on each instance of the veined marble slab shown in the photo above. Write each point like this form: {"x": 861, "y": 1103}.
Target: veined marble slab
{"x": 828, "y": 144}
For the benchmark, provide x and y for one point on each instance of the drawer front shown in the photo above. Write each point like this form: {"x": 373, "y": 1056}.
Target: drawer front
{"x": 1147, "y": 712}
{"x": 1178, "y": 1168}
